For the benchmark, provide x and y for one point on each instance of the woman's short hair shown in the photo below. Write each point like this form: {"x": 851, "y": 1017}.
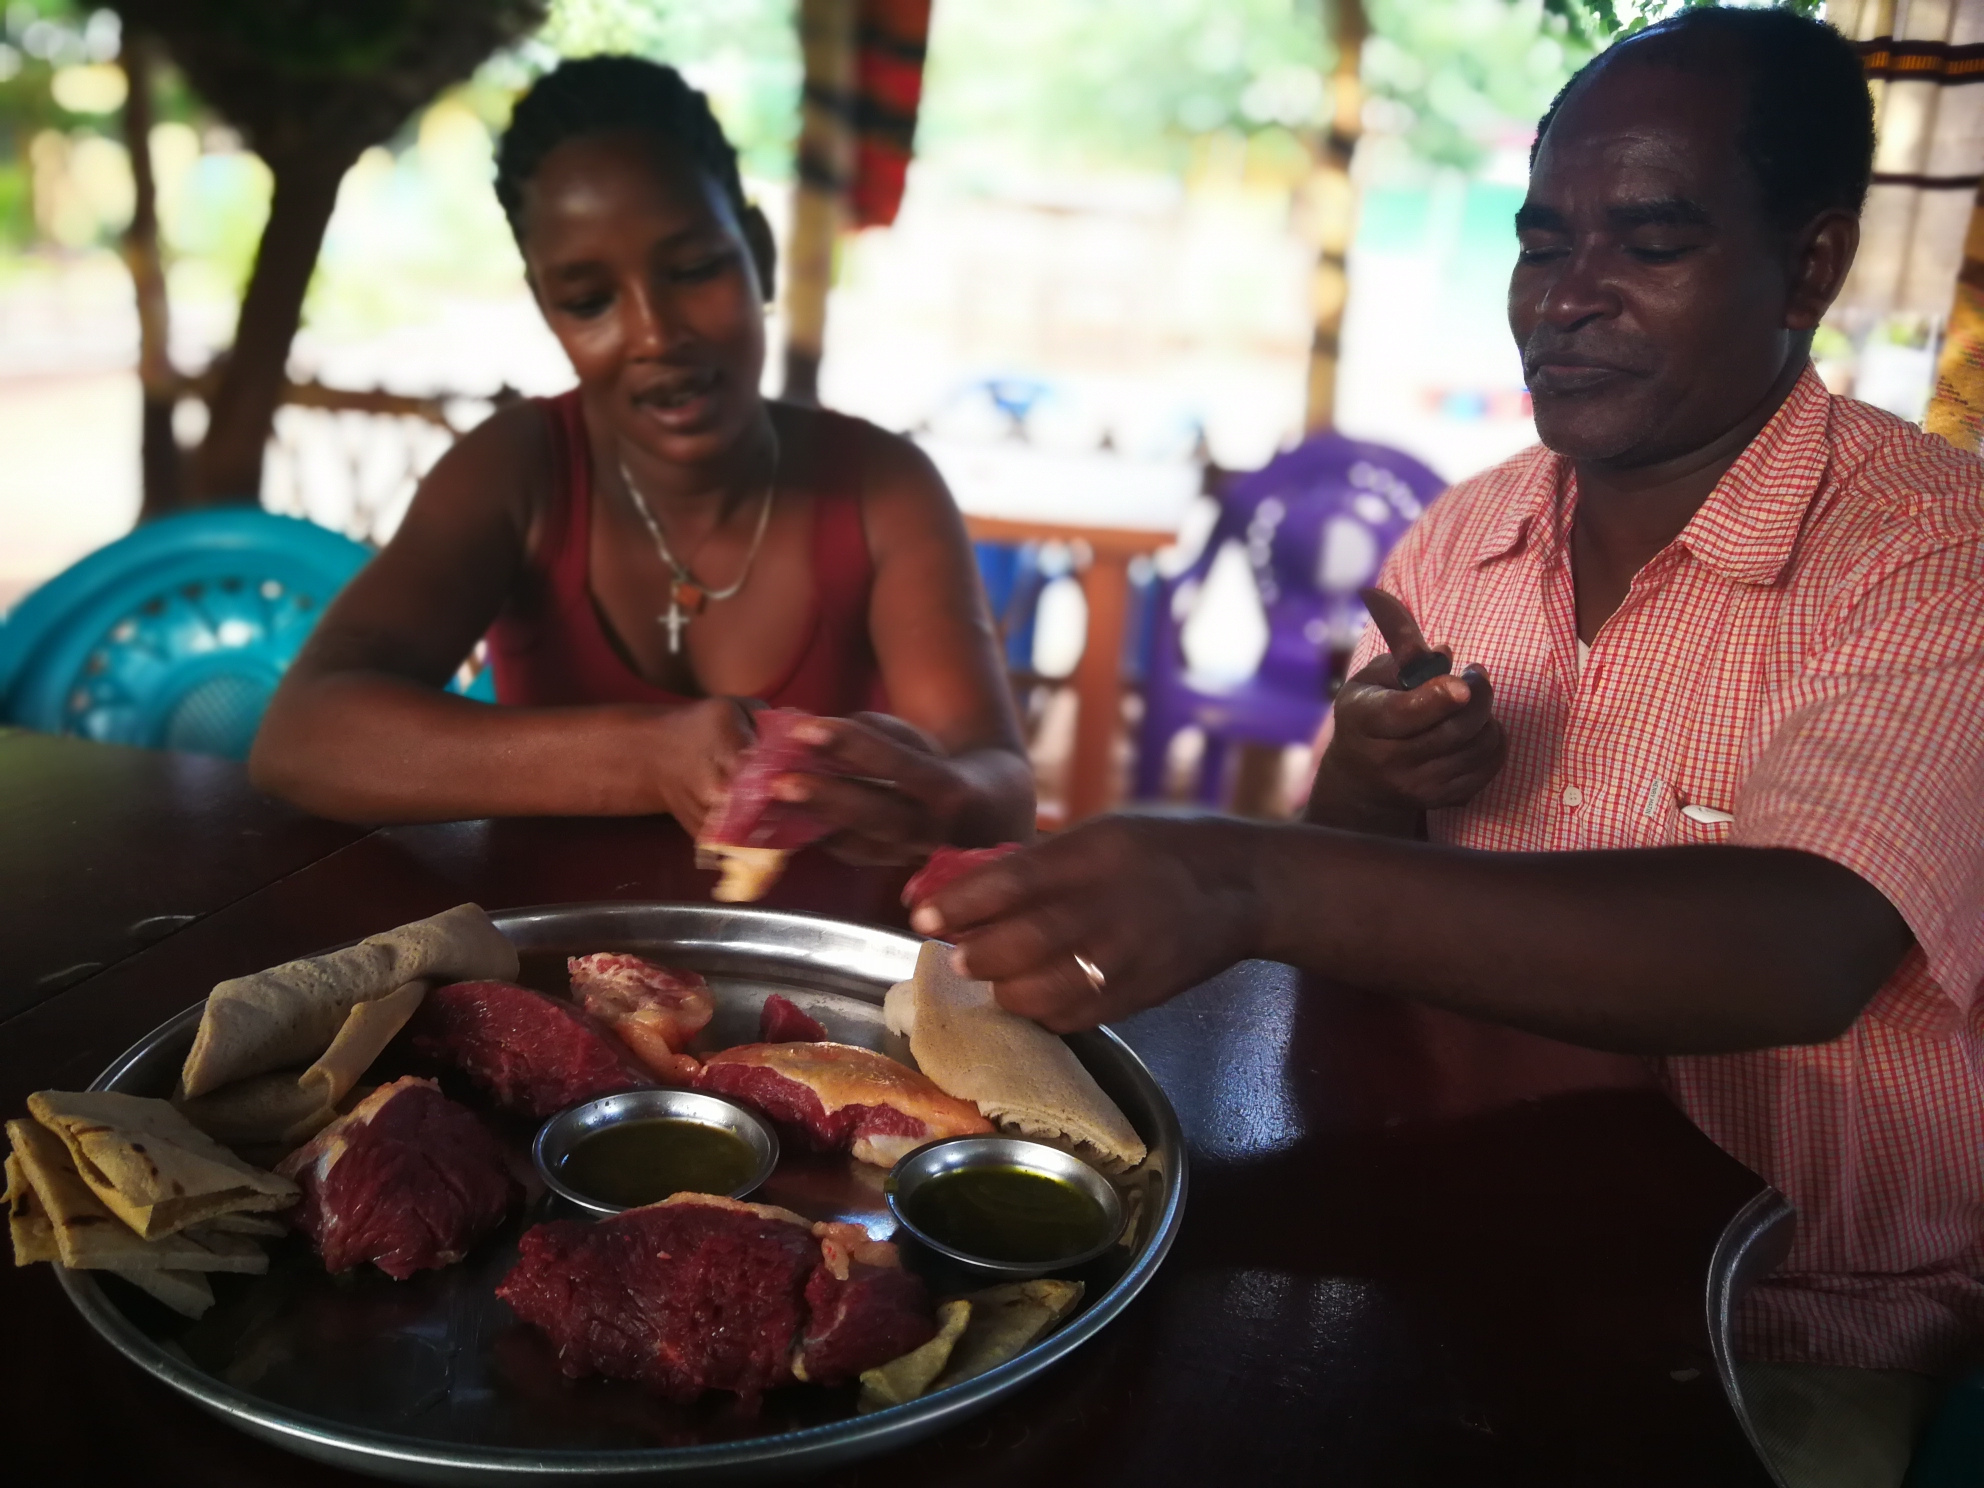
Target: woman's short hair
{"x": 597, "y": 95}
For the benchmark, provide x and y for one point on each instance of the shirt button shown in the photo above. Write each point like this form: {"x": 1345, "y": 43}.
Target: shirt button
{"x": 1573, "y": 796}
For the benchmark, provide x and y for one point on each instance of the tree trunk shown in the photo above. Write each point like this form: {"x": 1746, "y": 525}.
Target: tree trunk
{"x": 1332, "y": 211}
{"x": 162, "y": 464}
{"x": 241, "y": 413}
{"x": 819, "y": 207}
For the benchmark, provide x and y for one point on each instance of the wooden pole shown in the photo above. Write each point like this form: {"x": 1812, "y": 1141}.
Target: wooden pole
{"x": 1331, "y": 210}
{"x": 826, "y": 167}
{"x": 1956, "y": 410}
{"x": 160, "y": 459}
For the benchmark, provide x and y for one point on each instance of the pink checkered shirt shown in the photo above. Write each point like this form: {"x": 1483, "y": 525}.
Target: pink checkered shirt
{"x": 1807, "y": 657}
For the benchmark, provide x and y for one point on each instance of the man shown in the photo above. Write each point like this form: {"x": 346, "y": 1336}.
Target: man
{"x": 1725, "y": 802}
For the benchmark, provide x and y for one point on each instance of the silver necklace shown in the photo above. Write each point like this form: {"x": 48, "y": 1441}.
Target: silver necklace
{"x": 688, "y": 598}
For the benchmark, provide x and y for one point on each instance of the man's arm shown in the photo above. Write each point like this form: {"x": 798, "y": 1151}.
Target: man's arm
{"x": 1684, "y": 950}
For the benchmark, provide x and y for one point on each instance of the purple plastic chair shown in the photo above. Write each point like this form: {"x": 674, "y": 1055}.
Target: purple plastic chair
{"x": 1316, "y": 524}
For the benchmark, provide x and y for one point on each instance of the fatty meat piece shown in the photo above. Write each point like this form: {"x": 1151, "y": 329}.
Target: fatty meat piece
{"x": 781, "y": 1022}
{"x": 839, "y": 1097}
{"x": 532, "y": 1053}
{"x": 947, "y": 865}
{"x": 409, "y": 1181}
{"x": 654, "y": 1009}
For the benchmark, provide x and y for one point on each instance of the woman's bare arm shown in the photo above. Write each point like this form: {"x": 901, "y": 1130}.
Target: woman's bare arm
{"x": 948, "y": 764}
{"x": 360, "y": 729}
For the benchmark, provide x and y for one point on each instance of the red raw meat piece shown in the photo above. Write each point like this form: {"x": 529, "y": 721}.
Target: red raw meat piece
{"x": 408, "y": 1181}
{"x": 533, "y": 1053}
{"x": 701, "y": 1293}
{"x": 654, "y": 1009}
{"x": 781, "y": 1022}
{"x": 947, "y": 865}
{"x": 682, "y": 1296}
{"x": 862, "y": 1308}
{"x": 748, "y": 815}
{"x": 838, "y": 1097}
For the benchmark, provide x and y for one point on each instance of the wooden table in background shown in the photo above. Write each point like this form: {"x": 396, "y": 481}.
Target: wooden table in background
{"x": 1417, "y": 1250}
{"x": 1098, "y": 680}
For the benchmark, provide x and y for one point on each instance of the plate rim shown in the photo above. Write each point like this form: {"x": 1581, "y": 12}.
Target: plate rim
{"x": 876, "y": 1431}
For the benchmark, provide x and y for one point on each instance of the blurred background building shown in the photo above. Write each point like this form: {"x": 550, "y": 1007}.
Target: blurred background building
{"x": 1140, "y": 241}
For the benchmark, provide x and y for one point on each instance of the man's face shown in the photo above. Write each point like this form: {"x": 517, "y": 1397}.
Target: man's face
{"x": 1650, "y": 295}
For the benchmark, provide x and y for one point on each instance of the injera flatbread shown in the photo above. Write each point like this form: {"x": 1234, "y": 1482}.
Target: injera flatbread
{"x": 1012, "y": 1069}
{"x": 288, "y": 1107}
{"x": 88, "y": 1237}
{"x": 149, "y": 1165}
{"x": 287, "y": 1016}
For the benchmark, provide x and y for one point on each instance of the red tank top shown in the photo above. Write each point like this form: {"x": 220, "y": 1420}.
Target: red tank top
{"x": 549, "y": 648}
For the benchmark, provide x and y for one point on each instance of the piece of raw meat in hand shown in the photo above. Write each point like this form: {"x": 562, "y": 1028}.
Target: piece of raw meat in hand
{"x": 408, "y": 1181}
{"x": 838, "y": 1097}
{"x": 948, "y": 864}
{"x": 532, "y": 1053}
{"x": 702, "y": 1293}
{"x": 781, "y": 1022}
{"x": 751, "y": 833}
{"x": 654, "y": 1009}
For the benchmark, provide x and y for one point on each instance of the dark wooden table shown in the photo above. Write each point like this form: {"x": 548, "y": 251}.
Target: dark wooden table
{"x": 1417, "y": 1251}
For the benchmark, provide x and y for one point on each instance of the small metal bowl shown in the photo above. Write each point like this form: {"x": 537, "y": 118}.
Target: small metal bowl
{"x": 558, "y": 1136}
{"x": 951, "y": 1153}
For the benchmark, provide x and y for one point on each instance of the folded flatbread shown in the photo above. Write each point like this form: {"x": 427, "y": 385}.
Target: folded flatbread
{"x": 183, "y": 1291}
{"x": 1005, "y": 1321}
{"x": 34, "y": 1240}
{"x": 1016, "y": 1072}
{"x": 149, "y": 1165}
{"x": 902, "y": 1379}
{"x": 88, "y": 1237}
{"x": 28, "y": 1225}
{"x": 288, "y": 1107}
{"x": 286, "y": 1017}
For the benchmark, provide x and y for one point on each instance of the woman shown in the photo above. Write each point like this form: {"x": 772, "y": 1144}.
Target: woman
{"x": 658, "y": 547}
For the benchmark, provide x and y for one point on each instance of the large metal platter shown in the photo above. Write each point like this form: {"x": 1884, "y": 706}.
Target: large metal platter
{"x": 433, "y": 1381}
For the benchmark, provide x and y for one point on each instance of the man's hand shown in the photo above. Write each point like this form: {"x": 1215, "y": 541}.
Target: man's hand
{"x": 1156, "y": 906}
{"x": 1396, "y": 754}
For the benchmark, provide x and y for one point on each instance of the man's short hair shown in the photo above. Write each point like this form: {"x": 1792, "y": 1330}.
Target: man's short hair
{"x": 1808, "y": 124}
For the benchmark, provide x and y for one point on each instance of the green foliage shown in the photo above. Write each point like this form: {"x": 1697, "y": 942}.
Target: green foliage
{"x": 743, "y": 53}
{"x": 1117, "y": 83}
{"x": 1596, "y": 22}
{"x": 1456, "y": 74}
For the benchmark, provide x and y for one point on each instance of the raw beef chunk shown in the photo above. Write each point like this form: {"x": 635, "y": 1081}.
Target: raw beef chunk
{"x": 781, "y": 1022}
{"x": 862, "y": 1308}
{"x": 946, "y": 865}
{"x": 533, "y": 1053}
{"x": 409, "y": 1181}
{"x": 682, "y": 1296}
{"x": 701, "y": 1293}
{"x": 839, "y": 1097}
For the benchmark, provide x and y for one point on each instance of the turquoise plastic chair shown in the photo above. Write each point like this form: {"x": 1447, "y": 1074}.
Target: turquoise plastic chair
{"x": 175, "y": 636}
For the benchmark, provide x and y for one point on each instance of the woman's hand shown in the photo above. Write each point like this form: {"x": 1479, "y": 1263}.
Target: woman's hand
{"x": 899, "y": 798}
{"x": 1154, "y": 906}
{"x": 699, "y": 750}
{"x": 1396, "y": 754}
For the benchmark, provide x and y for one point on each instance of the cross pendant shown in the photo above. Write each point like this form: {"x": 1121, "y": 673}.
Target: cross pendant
{"x": 677, "y": 622}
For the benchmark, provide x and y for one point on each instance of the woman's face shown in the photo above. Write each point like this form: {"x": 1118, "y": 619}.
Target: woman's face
{"x": 643, "y": 274}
